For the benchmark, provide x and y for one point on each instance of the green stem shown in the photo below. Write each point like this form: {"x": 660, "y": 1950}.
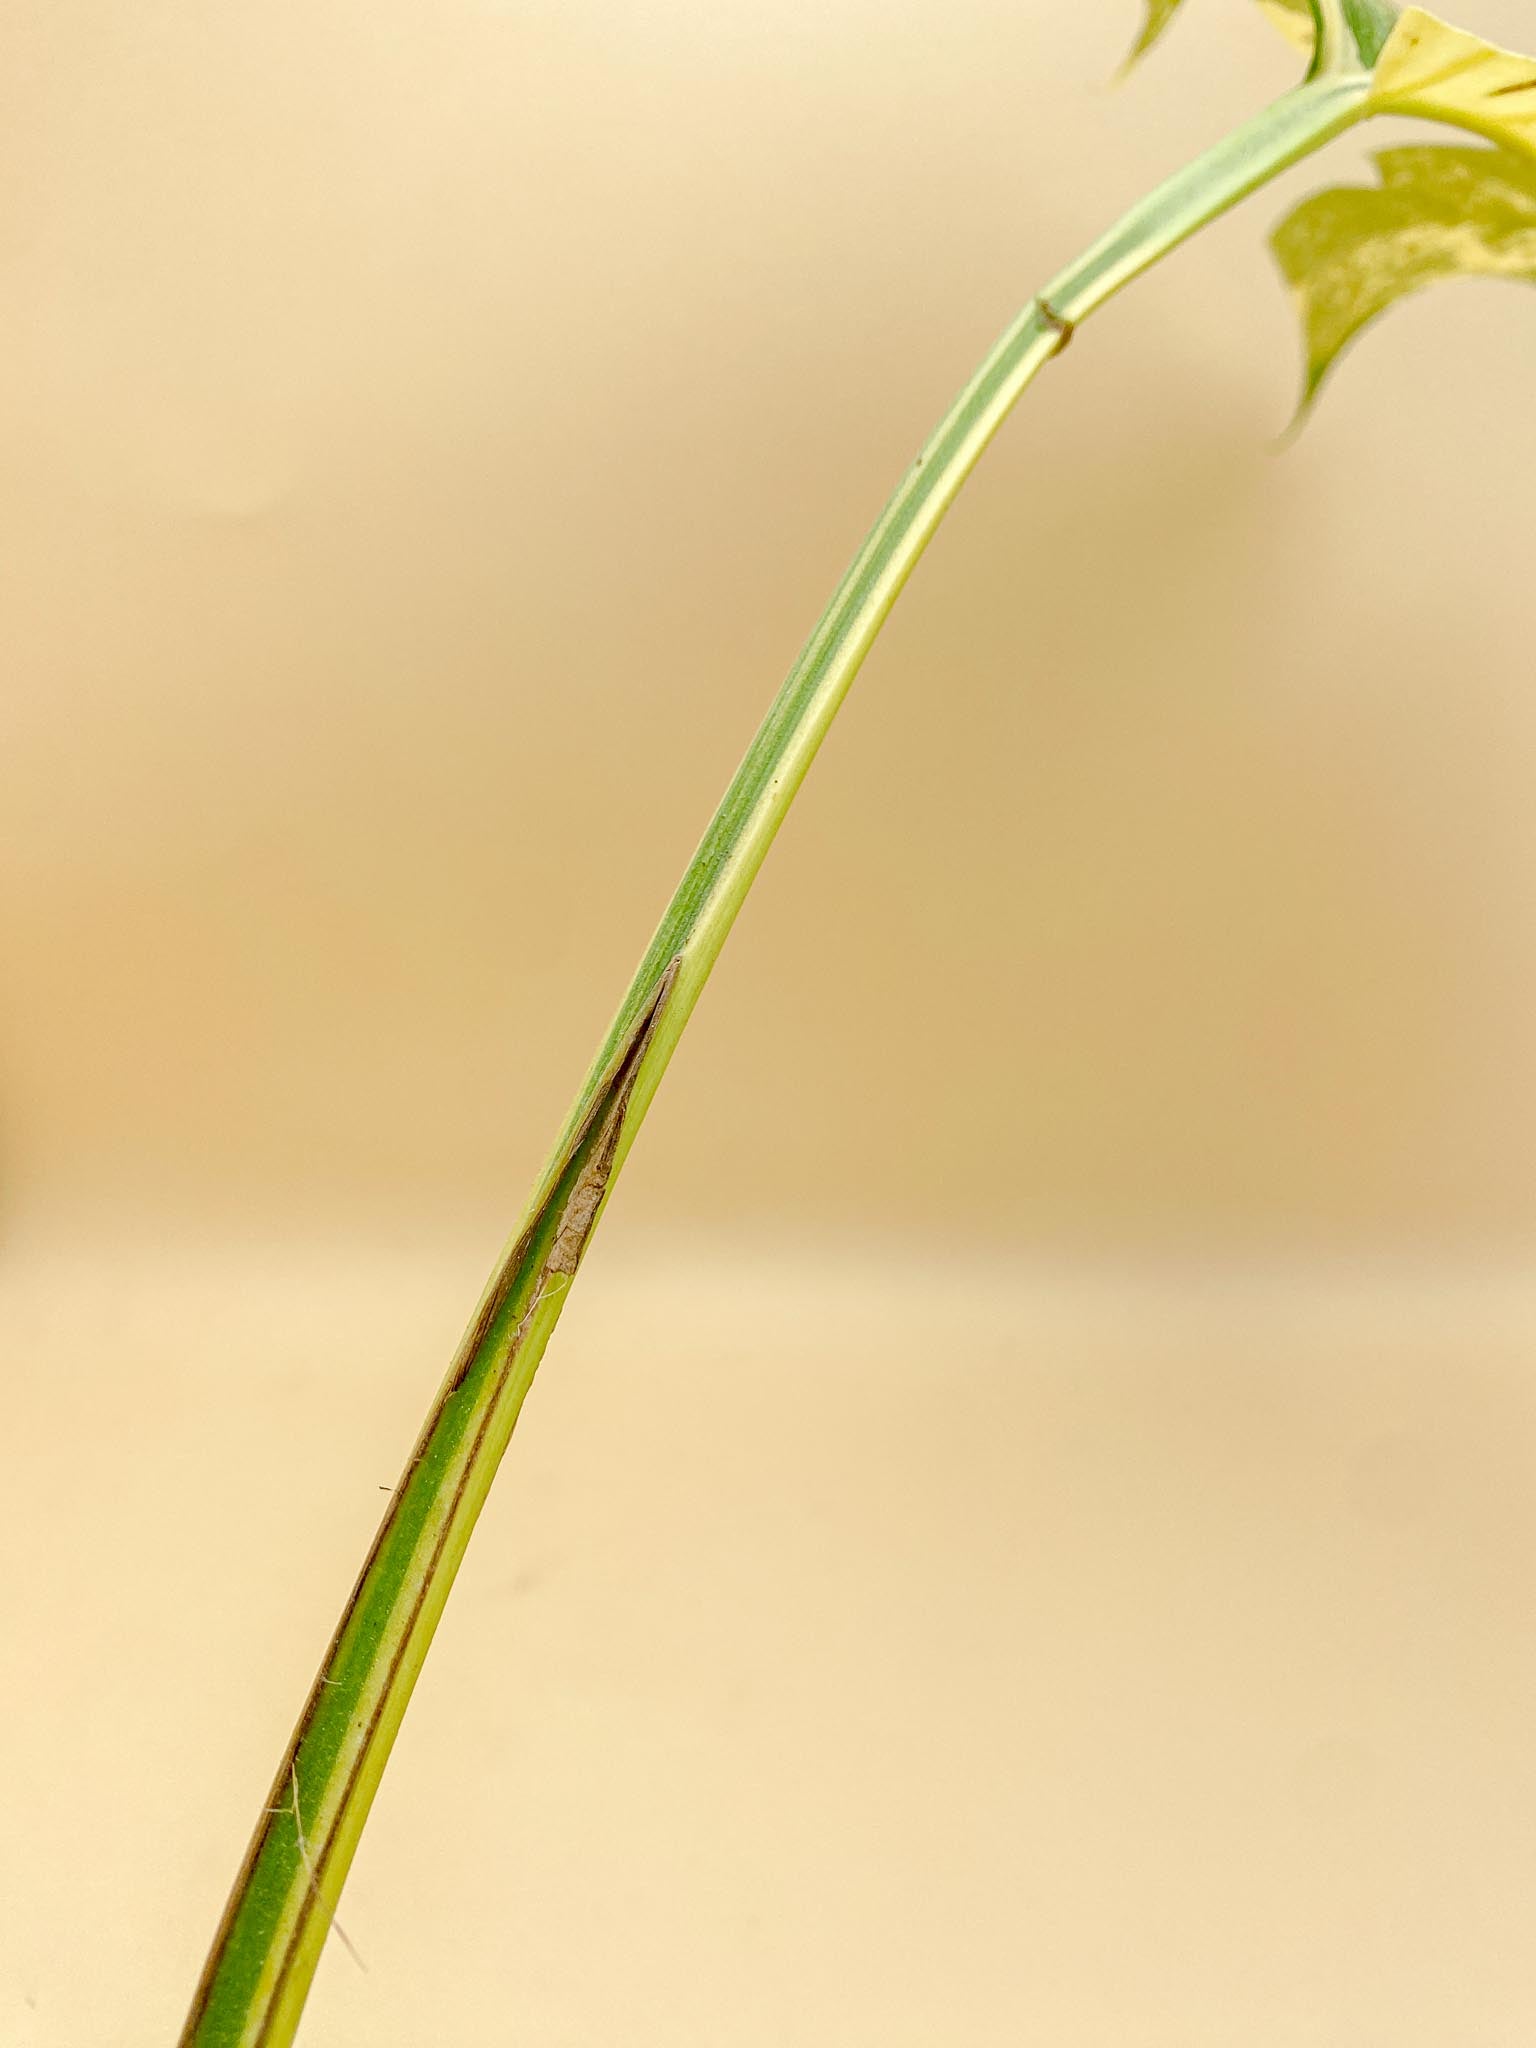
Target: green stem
{"x": 274, "y": 1927}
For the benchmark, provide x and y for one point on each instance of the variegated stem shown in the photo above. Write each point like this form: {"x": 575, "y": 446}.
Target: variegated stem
{"x": 264, "y": 1955}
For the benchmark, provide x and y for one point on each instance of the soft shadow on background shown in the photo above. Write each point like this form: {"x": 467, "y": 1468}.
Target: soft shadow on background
{"x": 1026, "y": 1527}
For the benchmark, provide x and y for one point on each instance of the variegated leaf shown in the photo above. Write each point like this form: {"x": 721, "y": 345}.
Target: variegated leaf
{"x": 1293, "y": 18}
{"x": 1439, "y": 212}
{"x": 1444, "y": 74}
{"x": 1159, "y": 14}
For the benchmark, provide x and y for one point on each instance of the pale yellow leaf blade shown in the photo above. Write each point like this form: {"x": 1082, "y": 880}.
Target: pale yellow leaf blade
{"x": 1439, "y": 73}
{"x": 1439, "y": 212}
{"x": 1293, "y": 18}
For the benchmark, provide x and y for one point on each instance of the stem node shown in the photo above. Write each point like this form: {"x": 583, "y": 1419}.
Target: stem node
{"x": 1060, "y": 325}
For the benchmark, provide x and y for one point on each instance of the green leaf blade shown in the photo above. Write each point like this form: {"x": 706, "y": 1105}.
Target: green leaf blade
{"x": 1293, "y": 18}
{"x": 1159, "y": 14}
{"x": 1371, "y": 24}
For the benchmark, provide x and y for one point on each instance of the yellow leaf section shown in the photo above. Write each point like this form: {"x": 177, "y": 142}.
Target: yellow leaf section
{"x": 1293, "y": 18}
{"x": 1439, "y": 212}
{"x": 1441, "y": 73}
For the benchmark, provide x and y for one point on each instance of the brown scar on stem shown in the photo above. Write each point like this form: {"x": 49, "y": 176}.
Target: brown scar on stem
{"x": 1522, "y": 85}
{"x": 599, "y": 1135}
{"x": 577, "y": 1216}
{"x": 1060, "y": 325}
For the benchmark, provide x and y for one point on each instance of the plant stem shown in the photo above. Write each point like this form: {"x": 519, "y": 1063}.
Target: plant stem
{"x": 264, "y": 1955}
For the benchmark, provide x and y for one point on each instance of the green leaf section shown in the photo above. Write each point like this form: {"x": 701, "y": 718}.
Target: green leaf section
{"x": 1368, "y": 24}
{"x": 1371, "y": 23}
{"x": 1439, "y": 212}
{"x": 1293, "y": 18}
{"x": 1159, "y": 14}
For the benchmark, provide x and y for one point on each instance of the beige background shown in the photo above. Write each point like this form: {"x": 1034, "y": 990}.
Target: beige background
{"x": 1026, "y": 1530}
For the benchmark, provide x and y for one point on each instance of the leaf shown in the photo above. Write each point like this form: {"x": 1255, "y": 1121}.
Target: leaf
{"x": 1444, "y": 74}
{"x": 1159, "y": 14}
{"x": 1293, "y": 18}
{"x": 1371, "y": 24}
{"x": 1439, "y": 211}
